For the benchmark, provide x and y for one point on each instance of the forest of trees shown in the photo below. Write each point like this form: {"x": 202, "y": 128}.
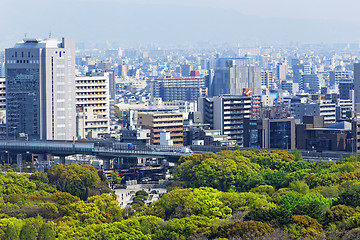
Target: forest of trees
{"x": 228, "y": 195}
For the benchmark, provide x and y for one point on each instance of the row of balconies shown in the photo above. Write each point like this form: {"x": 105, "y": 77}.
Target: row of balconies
{"x": 168, "y": 130}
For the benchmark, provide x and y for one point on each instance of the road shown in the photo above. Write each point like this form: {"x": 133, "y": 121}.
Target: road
{"x": 125, "y": 196}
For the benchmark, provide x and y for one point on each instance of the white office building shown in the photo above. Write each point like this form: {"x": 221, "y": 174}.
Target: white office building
{"x": 40, "y": 83}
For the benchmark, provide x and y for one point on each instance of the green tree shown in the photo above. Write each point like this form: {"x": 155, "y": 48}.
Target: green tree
{"x": 27, "y": 233}
{"x": 297, "y": 154}
{"x": 118, "y": 113}
{"x": 339, "y": 213}
{"x": 46, "y": 232}
{"x": 299, "y": 186}
{"x": 350, "y": 197}
{"x": 74, "y": 179}
{"x": 11, "y": 232}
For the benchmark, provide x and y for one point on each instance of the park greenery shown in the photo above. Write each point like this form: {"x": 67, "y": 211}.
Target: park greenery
{"x": 228, "y": 195}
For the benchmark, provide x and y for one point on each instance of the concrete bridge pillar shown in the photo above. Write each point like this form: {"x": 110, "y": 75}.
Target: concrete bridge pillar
{"x": 19, "y": 159}
{"x": 106, "y": 164}
{"x": 62, "y": 160}
{"x": 41, "y": 162}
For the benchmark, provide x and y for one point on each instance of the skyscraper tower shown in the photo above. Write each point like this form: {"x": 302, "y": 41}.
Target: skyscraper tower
{"x": 40, "y": 82}
{"x": 357, "y": 87}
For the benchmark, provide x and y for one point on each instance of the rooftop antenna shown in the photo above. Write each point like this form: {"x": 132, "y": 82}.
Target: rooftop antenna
{"x": 49, "y": 34}
{"x": 25, "y": 35}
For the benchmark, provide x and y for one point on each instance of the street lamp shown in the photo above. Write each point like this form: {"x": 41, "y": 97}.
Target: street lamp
{"x": 8, "y": 156}
{"x": 287, "y": 142}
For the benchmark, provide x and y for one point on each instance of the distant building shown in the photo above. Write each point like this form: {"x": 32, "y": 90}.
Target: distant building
{"x": 281, "y": 71}
{"x": 266, "y": 78}
{"x": 344, "y": 89}
{"x": 232, "y": 80}
{"x": 290, "y": 86}
{"x": 327, "y": 109}
{"x": 171, "y": 89}
{"x": 2, "y": 69}
{"x": 336, "y": 77}
{"x": 312, "y": 83}
{"x": 40, "y": 89}
{"x": 2, "y": 94}
{"x": 185, "y": 70}
{"x": 357, "y": 86}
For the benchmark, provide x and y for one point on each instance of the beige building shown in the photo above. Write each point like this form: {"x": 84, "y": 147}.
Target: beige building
{"x": 92, "y": 106}
{"x": 163, "y": 122}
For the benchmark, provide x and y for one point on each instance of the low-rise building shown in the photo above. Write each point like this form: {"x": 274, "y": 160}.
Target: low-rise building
{"x": 163, "y": 122}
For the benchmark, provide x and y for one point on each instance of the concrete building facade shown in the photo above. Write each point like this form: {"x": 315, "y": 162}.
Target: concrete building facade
{"x": 93, "y": 106}
{"x": 232, "y": 80}
{"x": 226, "y": 113}
{"x": 163, "y": 122}
{"x": 171, "y": 89}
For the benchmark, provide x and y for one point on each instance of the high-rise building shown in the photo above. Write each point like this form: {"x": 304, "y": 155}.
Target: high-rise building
{"x": 281, "y": 71}
{"x": 40, "y": 83}
{"x": 2, "y": 69}
{"x": 233, "y": 80}
{"x": 226, "y": 113}
{"x": 266, "y": 78}
{"x": 185, "y": 70}
{"x": 93, "y": 105}
{"x": 312, "y": 83}
{"x": 2, "y": 94}
{"x": 336, "y": 76}
{"x": 345, "y": 88}
{"x": 357, "y": 86}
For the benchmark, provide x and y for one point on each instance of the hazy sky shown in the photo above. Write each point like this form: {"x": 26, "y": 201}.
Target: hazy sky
{"x": 181, "y": 21}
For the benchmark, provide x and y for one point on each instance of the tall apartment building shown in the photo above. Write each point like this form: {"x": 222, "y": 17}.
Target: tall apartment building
{"x": 226, "y": 113}
{"x": 336, "y": 76}
{"x": 40, "y": 89}
{"x": 2, "y": 69}
{"x": 2, "y": 94}
{"x": 312, "y": 83}
{"x": 232, "y": 80}
{"x": 281, "y": 71}
{"x": 345, "y": 88}
{"x": 93, "y": 105}
{"x": 357, "y": 86}
{"x": 185, "y": 70}
{"x": 163, "y": 122}
{"x": 266, "y": 78}
{"x": 171, "y": 89}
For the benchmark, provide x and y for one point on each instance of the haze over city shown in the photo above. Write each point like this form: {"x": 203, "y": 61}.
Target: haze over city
{"x": 130, "y": 23}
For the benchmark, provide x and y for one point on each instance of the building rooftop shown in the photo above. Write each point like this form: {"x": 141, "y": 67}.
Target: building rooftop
{"x": 38, "y": 43}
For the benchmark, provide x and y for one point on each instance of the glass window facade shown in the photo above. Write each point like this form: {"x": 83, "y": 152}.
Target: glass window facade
{"x": 280, "y": 135}
{"x": 23, "y": 102}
